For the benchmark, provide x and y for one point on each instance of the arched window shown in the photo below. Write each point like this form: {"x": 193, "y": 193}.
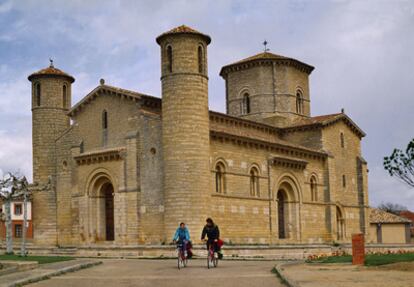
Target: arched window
{"x": 343, "y": 181}
{"x": 220, "y": 170}
{"x": 340, "y": 224}
{"x": 314, "y": 189}
{"x": 65, "y": 98}
{"x": 342, "y": 140}
{"x": 169, "y": 58}
{"x": 246, "y": 104}
{"x": 104, "y": 128}
{"x": 81, "y": 147}
{"x": 200, "y": 60}
{"x": 281, "y": 214}
{"x": 299, "y": 102}
{"x": 37, "y": 94}
{"x": 254, "y": 182}
{"x": 105, "y": 120}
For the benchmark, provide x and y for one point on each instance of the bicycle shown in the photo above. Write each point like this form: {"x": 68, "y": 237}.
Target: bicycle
{"x": 182, "y": 259}
{"x": 212, "y": 256}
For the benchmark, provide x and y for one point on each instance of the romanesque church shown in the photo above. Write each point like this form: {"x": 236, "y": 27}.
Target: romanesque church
{"x": 125, "y": 168}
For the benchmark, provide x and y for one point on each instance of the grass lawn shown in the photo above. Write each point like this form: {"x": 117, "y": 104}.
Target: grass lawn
{"x": 371, "y": 259}
{"x": 39, "y": 259}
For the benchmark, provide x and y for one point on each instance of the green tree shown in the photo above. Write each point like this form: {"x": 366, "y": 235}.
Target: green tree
{"x": 401, "y": 165}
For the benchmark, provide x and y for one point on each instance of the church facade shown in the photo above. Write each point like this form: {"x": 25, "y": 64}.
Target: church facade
{"x": 125, "y": 168}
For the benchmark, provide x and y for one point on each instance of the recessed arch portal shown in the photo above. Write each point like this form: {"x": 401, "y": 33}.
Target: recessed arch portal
{"x": 287, "y": 198}
{"x": 340, "y": 224}
{"x": 101, "y": 219}
{"x": 281, "y": 213}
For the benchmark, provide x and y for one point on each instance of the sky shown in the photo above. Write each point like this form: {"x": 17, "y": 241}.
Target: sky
{"x": 363, "y": 52}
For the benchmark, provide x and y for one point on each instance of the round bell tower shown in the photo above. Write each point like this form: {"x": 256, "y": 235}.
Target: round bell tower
{"x": 51, "y": 101}
{"x": 185, "y": 128}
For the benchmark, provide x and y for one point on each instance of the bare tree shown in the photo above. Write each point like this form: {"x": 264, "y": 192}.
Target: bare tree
{"x": 23, "y": 191}
{"x": 394, "y": 208}
{"x": 401, "y": 164}
{"x": 7, "y": 190}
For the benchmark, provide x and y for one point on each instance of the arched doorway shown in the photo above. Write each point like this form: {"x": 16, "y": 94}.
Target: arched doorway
{"x": 340, "y": 224}
{"x": 281, "y": 213}
{"x": 107, "y": 192}
{"x": 287, "y": 209}
{"x": 101, "y": 211}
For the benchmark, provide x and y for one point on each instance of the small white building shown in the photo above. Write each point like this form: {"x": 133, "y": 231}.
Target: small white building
{"x": 17, "y": 214}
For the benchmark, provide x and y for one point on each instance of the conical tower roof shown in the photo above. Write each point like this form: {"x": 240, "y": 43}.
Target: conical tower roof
{"x": 183, "y": 29}
{"x": 50, "y": 71}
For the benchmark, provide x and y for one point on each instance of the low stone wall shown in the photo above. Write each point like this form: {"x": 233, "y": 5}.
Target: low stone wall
{"x": 11, "y": 266}
{"x": 277, "y": 252}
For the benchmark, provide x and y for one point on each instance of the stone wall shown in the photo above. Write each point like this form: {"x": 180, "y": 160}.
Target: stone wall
{"x": 122, "y": 114}
{"x": 49, "y": 120}
{"x": 244, "y": 218}
{"x": 185, "y": 132}
{"x": 272, "y": 90}
{"x": 150, "y": 152}
{"x": 345, "y": 162}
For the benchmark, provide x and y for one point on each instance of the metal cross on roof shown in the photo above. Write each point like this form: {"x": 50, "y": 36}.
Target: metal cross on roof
{"x": 265, "y": 46}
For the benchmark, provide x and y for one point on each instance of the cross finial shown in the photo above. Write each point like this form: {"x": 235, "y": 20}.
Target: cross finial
{"x": 51, "y": 62}
{"x": 265, "y": 46}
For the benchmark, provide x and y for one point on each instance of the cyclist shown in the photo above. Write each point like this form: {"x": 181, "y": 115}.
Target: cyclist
{"x": 213, "y": 234}
{"x": 182, "y": 235}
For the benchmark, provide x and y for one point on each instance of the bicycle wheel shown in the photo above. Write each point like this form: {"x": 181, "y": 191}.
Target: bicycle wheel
{"x": 179, "y": 259}
{"x": 208, "y": 260}
{"x": 185, "y": 261}
{"x": 215, "y": 261}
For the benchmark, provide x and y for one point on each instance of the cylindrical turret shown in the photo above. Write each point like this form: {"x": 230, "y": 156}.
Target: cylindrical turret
{"x": 51, "y": 100}
{"x": 185, "y": 128}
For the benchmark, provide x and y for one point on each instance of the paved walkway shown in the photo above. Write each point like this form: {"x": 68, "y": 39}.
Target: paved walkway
{"x": 45, "y": 271}
{"x": 164, "y": 273}
{"x": 346, "y": 275}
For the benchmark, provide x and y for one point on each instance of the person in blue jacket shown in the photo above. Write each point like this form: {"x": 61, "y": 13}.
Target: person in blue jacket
{"x": 182, "y": 235}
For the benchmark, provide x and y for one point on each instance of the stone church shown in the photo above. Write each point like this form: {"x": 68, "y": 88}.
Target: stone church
{"x": 124, "y": 168}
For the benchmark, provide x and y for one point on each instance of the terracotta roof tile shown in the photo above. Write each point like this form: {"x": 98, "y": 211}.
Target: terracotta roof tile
{"x": 379, "y": 216}
{"x": 323, "y": 121}
{"x": 407, "y": 214}
{"x": 266, "y": 56}
{"x": 51, "y": 71}
{"x": 106, "y": 88}
{"x": 183, "y": 29}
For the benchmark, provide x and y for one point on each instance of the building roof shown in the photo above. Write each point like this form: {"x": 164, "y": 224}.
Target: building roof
{"x": 101, "y": 89}
{"x": 261, "y": 126}
{"x": 407, "y": 214}
{"x": 50, "y": 71}
{"x": 265, "y": 57}
{"x": 322, "y": 121}
{"x": 183, "y": 29}
{"x": 155, "y": 102}
{"x": 380, "y": 216}
{"x": 261, "y": 56}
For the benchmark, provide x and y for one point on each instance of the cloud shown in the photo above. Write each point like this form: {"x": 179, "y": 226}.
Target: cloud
{"x": 362, "y": 51}
{"x": 5, "y": 7}
{"x": 15, "y": 154}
